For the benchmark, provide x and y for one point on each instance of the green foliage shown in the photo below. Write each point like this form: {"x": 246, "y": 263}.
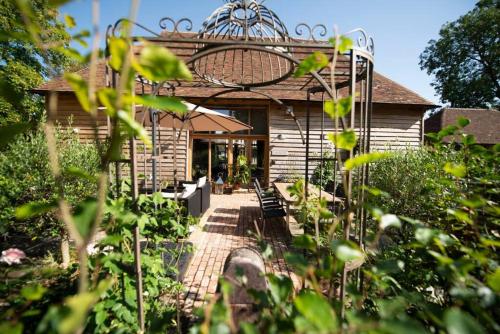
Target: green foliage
{"x": 323, "y": 173}
{"x": 160, "y": 221}
{"x": 417, "y": 183}
{"x": 21, "y": 64}
{"x": 242, "y": 170}
{"x": 464, "y": 60}
{"x": 78, "y": 182}
{"x": 27, "y": 296}
{"x": 311, "y": 63}
{"x": 346, "y": 140}
{"x": 26, "y": 182}
{"x": 436, "y": 273}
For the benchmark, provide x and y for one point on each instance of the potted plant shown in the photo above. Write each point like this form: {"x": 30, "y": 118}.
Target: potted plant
{"x": 228, "y": 188}
{"x": 242, "y": 175}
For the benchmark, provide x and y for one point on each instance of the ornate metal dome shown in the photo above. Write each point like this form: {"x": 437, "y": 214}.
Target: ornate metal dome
{"x": 237, "y": 64}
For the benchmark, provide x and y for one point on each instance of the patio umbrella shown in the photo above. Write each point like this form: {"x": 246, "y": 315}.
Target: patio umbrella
{"x": 196, "y": 118}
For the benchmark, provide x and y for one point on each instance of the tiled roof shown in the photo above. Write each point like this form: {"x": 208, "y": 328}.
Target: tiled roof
{"x": 484, "y": 125}
{"x": 384, "y": 89}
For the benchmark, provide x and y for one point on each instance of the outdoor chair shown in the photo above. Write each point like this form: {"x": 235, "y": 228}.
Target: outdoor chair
{"x": 269, "y": 209}
{"x": 267, "y": 195}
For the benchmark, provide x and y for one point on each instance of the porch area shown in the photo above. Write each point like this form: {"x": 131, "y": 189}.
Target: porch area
{"x": 229, "y": 224}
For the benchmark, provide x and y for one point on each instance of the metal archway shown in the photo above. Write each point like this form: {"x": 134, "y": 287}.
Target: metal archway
{"x": 244, "y": 47}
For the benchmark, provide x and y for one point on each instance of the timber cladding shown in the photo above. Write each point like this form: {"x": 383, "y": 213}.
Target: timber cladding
{"x": 71, "y": 115}
{"x": 394, "y": 126}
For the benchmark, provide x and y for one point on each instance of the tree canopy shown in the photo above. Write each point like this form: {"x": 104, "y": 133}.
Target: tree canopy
{"x": 465, "y": 60}
{"x": 21, "y": 64}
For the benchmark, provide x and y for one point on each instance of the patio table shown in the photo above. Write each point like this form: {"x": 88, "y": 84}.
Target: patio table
{"x": 284, "y": 194}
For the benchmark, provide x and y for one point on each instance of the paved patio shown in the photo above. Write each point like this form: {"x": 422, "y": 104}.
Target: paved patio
{"x": 229, "y": 224}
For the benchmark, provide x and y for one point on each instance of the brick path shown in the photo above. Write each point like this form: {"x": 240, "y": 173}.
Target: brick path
{"x": 227, "y": 225}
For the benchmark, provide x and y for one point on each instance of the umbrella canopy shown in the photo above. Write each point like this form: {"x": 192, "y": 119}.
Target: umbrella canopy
{"x": 197, "y": 118}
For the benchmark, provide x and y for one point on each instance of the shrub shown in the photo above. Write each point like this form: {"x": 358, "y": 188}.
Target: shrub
{"x": 25, "y": 177}
{"x": 415, "y": 183}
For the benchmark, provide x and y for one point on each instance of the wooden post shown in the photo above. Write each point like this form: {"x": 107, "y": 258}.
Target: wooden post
{"x": 137, "y": 239}
{"x": 230, "y": 161}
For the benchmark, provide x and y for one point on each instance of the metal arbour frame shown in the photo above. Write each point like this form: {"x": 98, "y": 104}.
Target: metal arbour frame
{"x": 244, "y": 47}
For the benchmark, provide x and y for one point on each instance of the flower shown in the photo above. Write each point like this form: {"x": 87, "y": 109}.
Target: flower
{"x": 12, "y": 255}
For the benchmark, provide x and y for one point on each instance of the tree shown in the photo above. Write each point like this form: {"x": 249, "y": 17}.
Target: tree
{"x": 21, "y": 64}
{"x": 465, "y": 60}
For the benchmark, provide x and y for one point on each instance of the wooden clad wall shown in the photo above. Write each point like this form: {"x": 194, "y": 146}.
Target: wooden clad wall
{"x": 395, "y": 127}
{"x": 70, "y": 114}
{"x": 392, "y": 128}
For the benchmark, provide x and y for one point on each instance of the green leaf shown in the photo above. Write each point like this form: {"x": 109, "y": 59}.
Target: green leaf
{"x": 458, "y": 171}
{"x": 80, "y": 88}
{"x": 317, "y": 312}
{"x": 345, "y": 140}
{"x": 70, "y": 21}
{"x": 118, "y": 50}
{"x": 493, "y": 280}
{"x": 389, "y": 220}
{"x": 33, "y": 292}
{"x": 7, "y": 327}
{"x": 9, "y": 132}
{"x": 159, "y": 64}
{"x": 463, "y": 122}
{"x": 339, "y": 109}
{"x": 33, "y": 209}
{"x": 84, "y": 216}
{"x": 447, "y": 131}
{"x": 167, "y": 103}
{"x": 134, "y": 128}
{"x": 304, "y": 241}
{"x": 346, "y": 251}
{"x": 468, "y": 140}
{"x": 365, "y": 159}
{"x": 80, "y": 173}
{"x": 107, "y": 97}
{"x": 459, "y": 322}
{"x": 314, "y": 62}
{"x": 460, "y": 215}
{"x": 280, "y": 288}
{"x": 424, "y": 235}
{"x": 345, "y": 43}
{"x": 247, "y": 328}
{"x": 78, "y": 306}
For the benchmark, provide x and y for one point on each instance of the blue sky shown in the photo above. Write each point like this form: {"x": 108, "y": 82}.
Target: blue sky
{"x": 401, "y": 28}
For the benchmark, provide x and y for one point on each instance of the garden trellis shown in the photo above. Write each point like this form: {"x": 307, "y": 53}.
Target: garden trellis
{"x": 244, "y": 48}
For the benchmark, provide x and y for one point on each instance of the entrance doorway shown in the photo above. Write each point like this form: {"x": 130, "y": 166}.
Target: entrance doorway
{"x": 216, "y": 155}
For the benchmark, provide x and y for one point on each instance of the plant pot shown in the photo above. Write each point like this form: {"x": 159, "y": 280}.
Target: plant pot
{"x": 236, "y": 186}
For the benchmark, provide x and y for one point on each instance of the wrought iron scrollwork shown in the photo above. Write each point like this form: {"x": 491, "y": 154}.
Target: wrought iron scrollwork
{"x": 318, "y": 30}
{"x": 363, "y": 40}
{"x": 167, "y": 22}
{"x": 116, "y": 27}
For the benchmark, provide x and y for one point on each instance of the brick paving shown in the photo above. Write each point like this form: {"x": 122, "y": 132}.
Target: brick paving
{"x": 229, "y": 224}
